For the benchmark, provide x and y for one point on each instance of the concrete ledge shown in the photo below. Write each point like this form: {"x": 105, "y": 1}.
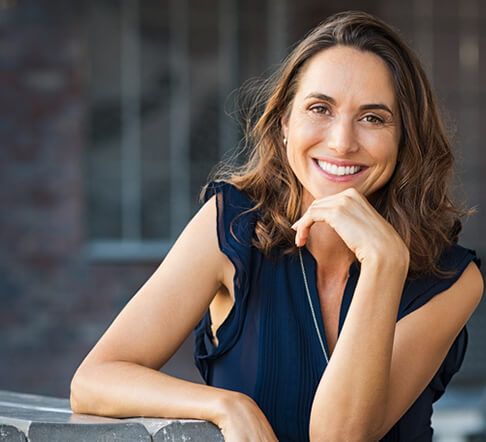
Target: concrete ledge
{"x": 27, "y": 417}
{"x": 11, "y": 434}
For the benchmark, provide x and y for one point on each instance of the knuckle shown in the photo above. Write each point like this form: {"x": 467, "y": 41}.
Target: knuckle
{"x": 336, "y": 210}
{"x": 341, "y": 203}
{"x": 351, "y": 192}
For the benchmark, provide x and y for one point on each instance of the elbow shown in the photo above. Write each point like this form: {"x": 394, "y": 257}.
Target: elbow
{"x": 76, "y": 403}
{"x": 91, "y": 391}
{"x": 85, "y": 393}
{"x": 79, "y": 394}
{"x": 343, "y": 436}
{"x": 75, "y": 396}
{"x": 344, "y": 432}
{"x": 363, "y": 423}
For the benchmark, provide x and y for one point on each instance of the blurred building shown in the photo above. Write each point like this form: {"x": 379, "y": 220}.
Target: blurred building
{"x": 113, "y": 112}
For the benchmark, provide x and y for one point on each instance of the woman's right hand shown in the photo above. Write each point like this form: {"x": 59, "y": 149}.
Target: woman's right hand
{"x": 241, "y": 420}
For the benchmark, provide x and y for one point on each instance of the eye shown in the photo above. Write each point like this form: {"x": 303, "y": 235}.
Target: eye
{"x": 373, "y": 119}
{"x": 320, "y": 109}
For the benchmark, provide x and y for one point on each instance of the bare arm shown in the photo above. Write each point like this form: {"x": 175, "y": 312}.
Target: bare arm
{"x": 120, "y": 376}
{"x": 422, "y": 341}
{"x": 378, "y": 368}
{"x": 357, "y": 377}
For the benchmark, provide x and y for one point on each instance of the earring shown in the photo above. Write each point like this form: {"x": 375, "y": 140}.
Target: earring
{"x": 285, "y": 141}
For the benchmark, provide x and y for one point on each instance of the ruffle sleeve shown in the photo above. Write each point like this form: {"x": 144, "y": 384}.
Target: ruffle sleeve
{"x": 418, "y": 292}
{"x": 235, "y": 228}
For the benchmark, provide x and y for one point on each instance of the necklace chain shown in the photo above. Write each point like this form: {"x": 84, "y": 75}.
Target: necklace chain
{"x": 321, "y": 341}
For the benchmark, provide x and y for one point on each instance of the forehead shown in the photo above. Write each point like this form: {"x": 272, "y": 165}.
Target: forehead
{"x": 346, "y": 73}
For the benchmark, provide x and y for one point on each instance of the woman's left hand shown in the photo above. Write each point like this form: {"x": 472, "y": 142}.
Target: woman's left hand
{"x": 367, "y": 234}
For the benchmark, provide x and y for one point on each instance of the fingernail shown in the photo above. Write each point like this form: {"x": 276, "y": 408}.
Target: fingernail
{"x": 294, "y": 227}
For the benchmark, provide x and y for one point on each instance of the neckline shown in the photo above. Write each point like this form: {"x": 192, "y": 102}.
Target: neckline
{"x": 353, "y": 268}
{"x": 311, "y": 272}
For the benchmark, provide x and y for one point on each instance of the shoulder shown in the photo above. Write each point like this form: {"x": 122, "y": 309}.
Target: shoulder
{"x": 458, "y": 300}
{"x": 468, "y": 289}
{"x": 461, "y": 268}
{"x": 236, "y": 218}
{"x": 219, "y": 233}
{"x": 200, "y": 239}
{"x": 236, "y": 215}
{"x": 231, "y": 197}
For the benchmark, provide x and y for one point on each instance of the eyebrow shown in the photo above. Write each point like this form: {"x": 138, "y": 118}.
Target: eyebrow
{"x": 331, "y": 100}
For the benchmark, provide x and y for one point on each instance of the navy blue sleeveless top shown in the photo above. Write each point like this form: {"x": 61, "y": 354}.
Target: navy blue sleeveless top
{"x": 268, "y": 345}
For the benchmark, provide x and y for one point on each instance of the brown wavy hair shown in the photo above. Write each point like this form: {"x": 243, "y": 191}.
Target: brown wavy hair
{"x": 416, "y": 201}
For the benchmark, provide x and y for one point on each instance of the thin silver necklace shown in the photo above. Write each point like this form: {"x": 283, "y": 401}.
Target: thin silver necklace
{"x": 321, "y": 341}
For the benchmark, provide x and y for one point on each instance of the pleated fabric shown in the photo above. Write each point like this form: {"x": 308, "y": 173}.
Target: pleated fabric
{"x": 268, "y": 345}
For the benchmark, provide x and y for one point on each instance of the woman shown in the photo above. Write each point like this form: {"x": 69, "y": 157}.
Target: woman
{"x": 339, "y": 225}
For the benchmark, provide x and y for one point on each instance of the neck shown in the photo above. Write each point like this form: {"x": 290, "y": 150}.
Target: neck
{"x": 332, "y": 255}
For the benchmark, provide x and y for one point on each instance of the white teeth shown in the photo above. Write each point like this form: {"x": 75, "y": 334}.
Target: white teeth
{"x": 338, "y": 171}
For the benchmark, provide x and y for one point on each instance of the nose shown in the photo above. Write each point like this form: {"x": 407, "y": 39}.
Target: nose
{"x": 340, "y": 136}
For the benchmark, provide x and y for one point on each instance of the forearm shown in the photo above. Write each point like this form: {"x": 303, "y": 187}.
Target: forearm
{"x": 123, "y": 389}
{"x": 351, "y": 398}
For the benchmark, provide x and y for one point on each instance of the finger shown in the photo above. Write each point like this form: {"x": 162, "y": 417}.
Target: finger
{"x": 326, "y": 210}
{"x": 317, "y": 212}
{"x": 328, "y": 201}
{"x": 302, "y": 233}
{"x": 302, "y": 228}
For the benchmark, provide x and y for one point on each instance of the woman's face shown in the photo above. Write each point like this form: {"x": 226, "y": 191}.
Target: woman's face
{"x": 343, "y": 128}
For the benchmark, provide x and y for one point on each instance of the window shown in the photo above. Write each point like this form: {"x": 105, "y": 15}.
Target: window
{"x": 161, "y": 75}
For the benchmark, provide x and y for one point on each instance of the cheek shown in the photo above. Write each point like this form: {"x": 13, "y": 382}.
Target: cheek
{"x": 392, "y": 153}
{"x": 389, "y": 160}
{"x": 309, "y": 132}
{"x": 384, "y": 149}
{"x": 291, "y": 158}
{"x": 304, "y": 128}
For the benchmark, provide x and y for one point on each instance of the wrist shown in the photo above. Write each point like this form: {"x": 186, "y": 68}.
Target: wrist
{"x": 223, "y": 404}
{"x": 393, "y": 262}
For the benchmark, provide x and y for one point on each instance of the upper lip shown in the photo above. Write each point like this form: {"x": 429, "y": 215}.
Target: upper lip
{"x": 342, "y": 163}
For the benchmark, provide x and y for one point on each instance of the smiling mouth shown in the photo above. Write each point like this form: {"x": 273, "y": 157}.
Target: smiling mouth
{"x": 332, "y": 169}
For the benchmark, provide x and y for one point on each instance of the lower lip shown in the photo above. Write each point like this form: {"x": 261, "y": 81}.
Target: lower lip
{"x": 338, "y": 178}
